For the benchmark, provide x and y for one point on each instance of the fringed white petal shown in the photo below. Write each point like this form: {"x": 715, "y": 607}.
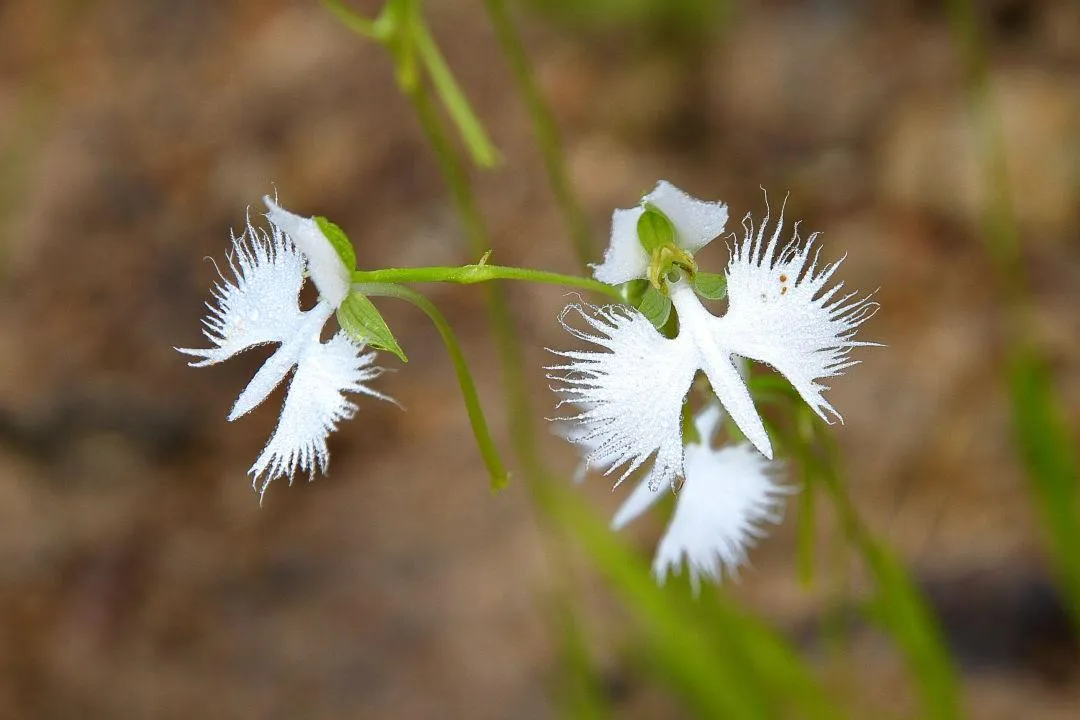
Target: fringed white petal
{"x": 313, "y": 406}
{"x": 780, "y": 313}
{"x": 259, "y": 305}
{"x": 324, "y": 264}
{"x": 697, "y": 222}
{"x": 624, "y": 259}
{"x": 699, "y": 327}
{"x": 726, "y": 497}
{"x": 629, "y": 397}
{"x": 278, "y": 365}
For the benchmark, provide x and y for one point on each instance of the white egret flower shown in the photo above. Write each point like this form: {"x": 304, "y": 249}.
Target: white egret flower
{"x": 725, "y": 498}
{"x": 260, "y": 305}
{"x": 630, "y": 394}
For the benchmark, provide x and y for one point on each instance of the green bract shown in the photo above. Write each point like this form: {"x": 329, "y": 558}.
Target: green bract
{"x": 711, "y": 286}
{"x": 362, "y": 321}
{"x": 656, "y": 306}
{"x": 339, "y": 240}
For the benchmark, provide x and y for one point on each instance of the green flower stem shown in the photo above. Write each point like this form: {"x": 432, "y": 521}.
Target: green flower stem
{"x": 490, "y": 453}
{"x": 547, "y": 132}
{"x": 511, "y": 359}
{"x": 357, "y": 23}
{"x": 401, "y": 28}
{"x": 472, "y": 131}
{"x": 471, "y": 274}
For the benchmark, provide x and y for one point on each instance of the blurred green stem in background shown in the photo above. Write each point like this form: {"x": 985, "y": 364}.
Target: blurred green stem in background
{"x": 898, "y": 606}
{"x": 401, "y": 28}
{"x": 1042, "y": 432}
{"x": 547, "y": 131}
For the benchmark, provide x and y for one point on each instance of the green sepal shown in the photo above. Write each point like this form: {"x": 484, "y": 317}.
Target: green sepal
{"x": 656, "y": 306}
{"x": 654, "y": 230}
{"x": 711, "y": 286}
{"x": 362, "y": 321}
{"x": 339, "y": 240}
{"x": 632, "y": 291}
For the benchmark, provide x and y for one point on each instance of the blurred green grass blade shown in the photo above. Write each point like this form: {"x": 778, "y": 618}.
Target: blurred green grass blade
{"x": 805, "y": 531}
{"x": 899, "y": 606}
{"x": 677, "y": 647}
{"x": 901, "y": 610}
{"x": 581, "y": 692}
{"x": 773, "y": 661}
{"x": 1052, "y": 469}
{"x": 719, "y": 661}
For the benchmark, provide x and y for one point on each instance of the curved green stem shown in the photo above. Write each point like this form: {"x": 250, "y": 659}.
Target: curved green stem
{"x": 499, "y": 476}
{"x": 470, "y": 274}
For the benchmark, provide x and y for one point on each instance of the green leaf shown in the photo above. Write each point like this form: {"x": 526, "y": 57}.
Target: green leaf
{"x": 711, "y": 286}
{"x": 339, "y": 240}
{"x": 362, "y": 321}
{"x": 654, "y": 230}
{"x": 1049, "y": 457}
{"x": 656, "y": 306}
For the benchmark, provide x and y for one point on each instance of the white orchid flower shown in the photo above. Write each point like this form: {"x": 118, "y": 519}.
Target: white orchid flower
{"x": 630, "y": 395}
{"x": 260, "y": 305}
{"x": 726, "y": 497}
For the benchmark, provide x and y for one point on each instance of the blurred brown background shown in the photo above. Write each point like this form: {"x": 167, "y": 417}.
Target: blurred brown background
{"x": 140, "y": 578}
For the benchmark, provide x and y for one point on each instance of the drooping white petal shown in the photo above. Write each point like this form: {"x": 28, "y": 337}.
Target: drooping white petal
{"x": 324, "y": 264}
{"x": 629, "y": 397}
{"x": 780, "y": 313}
{"x": 699, "y": 327}
{"x": 697, "y": 222}
{"x": 726, "y": 496}
{"x": 313, "y": 406}
{"x": 259, "y": 305}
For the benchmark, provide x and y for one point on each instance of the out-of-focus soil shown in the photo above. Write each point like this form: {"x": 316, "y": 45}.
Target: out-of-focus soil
{"x": 139, "y": 576}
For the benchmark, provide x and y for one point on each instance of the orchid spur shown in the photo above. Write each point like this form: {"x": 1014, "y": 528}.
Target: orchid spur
{"x": 630, "y": 393}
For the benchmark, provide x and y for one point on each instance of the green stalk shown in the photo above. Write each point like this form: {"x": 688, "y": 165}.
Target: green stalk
{"x": 547, "y": 132}
{"x": 490, "y": 453}
{"x": 472, "y": 131}
{"x": 471, "y": 274}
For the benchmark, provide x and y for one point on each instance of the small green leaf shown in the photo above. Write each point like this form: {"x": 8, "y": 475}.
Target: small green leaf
{"x": 339, "y": 240}
{"x": 711, "y": 286}
{"x": 656, "y": 306}
{"x": 362, "y": 321}
{"x": 654, "y": 230}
